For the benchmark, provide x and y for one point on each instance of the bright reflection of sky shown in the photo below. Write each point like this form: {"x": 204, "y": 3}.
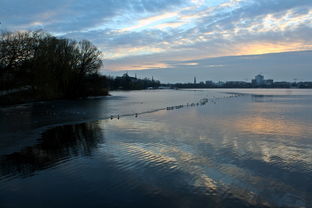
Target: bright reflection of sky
{"x": 239, "y": 143}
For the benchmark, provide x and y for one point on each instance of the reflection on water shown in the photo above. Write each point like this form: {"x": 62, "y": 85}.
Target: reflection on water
{"x": 250, "y": 151}
{"x": 17, "y": 123}
{"x": 56, "y": 145}
{"x": 262, "y": 125}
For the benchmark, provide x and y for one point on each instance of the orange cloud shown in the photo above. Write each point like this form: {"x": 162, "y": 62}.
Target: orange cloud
{"x": 169, "y": 25}
{"x": 150, "y": 20}
{"x": 117, "y": 53}
{"x": 189, "y": 64}
{"x": 142, "y": 66}
{"x": 257, "y": 48}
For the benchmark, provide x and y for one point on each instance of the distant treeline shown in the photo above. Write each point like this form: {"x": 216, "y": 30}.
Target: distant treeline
{"x": 126, "y": 82}
{"x": 37, "y": 65}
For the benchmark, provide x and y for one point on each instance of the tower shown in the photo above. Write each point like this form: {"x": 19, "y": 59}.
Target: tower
{"x": 194, "y": 80}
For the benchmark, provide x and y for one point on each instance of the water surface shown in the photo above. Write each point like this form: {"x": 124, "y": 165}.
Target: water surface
{"x": 228, "y": 151}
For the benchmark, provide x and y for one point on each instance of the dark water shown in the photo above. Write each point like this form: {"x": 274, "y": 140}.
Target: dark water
{"x": 232, "y": 151}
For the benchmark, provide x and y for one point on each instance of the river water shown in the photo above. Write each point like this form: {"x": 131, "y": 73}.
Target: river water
{"x": 169, "y": 148}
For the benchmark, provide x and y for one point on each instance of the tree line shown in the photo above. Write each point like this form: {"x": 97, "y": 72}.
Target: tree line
{"x": 50, "y": 67}
{"x": 126, "y": 82}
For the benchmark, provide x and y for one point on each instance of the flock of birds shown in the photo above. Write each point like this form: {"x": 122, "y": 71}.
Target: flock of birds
{"x": 202, "y": 101}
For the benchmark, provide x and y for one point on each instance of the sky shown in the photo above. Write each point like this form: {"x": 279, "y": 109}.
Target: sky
{"x": 175, "y": 40}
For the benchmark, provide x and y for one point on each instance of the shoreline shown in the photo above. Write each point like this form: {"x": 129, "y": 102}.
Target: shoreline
{"x": 7, "y": 104}
{"x": 12, "y": 101}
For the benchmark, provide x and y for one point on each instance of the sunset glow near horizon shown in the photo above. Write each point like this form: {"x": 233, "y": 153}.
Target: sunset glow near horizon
{"x": 161, "y": 34}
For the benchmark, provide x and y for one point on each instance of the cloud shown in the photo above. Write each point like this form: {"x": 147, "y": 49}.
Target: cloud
{"x": 70, "y": 15}
{"x": 146, "y": 34}
{"x": 150, "y": 20}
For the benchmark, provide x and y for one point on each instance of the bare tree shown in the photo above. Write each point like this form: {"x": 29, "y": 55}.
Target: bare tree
{"x": 53, "y": 67}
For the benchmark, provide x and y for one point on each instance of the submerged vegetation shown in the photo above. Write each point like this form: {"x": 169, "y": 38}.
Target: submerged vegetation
{"x": 37, "y": 65}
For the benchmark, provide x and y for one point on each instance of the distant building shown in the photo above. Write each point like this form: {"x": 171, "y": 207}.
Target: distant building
{"x": 236, "y": 84}
{"x": 220, "y": 84}
{"x": 209, "y": 82}
{"x": 194, "y": 80}
{"x": 269, "y": 82}
{"x": 259, "y": 81}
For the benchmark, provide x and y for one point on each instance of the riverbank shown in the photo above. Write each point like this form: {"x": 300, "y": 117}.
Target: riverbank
{"x": 28, "y": 96}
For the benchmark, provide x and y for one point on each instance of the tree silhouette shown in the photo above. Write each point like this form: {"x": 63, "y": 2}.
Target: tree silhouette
{"x": 52, "y": 67}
